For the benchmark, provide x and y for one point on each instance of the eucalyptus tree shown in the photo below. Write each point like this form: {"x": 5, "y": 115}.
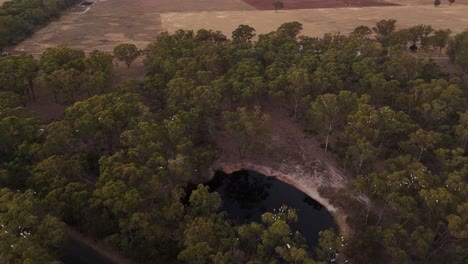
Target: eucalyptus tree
{"x": 61, "y": 71}
{"x": 250, "y": 128}
{"x": 441, "y": 38}
{"x": 127, "y": 53}
{"x": 458, "y": 51}
{"x": 328, "y": 112}
{"x": 17, "y": 74}
{"x": 28, "y": 233}
{"x": 98, "y": 68}
{"x": 243, "y": 33}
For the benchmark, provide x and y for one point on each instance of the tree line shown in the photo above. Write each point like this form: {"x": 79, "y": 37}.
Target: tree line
{"x": 20, "y": 18}
{"x": 118, "y": 165}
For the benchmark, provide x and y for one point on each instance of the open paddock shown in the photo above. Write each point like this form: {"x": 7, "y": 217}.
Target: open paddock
{"x": 107, "y": 23}
{"x": 317, "y": 22}
{"x": 302, "y": 4}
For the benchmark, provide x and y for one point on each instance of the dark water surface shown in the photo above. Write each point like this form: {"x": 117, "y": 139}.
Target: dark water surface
{"x": 247, "y": 195}
{"x": 78, "y": 253}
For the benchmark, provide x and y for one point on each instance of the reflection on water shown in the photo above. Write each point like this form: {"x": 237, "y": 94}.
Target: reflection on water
{"x": 312, "y": 202}
{"x": 247, "y": 195}
{"x": 247, "y": 191}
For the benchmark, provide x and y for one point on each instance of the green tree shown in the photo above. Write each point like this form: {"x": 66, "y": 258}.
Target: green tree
{"x": 70, "y": 203}
{"x": 419, "y": 33}
{"x": 457, "y": 223}
{"x": 208, "y": 234}
{"x": 243, "y": 33}
{"x": 298, "y": 88}
{"x": 273, "y": 239}
{"x": 28, "y": 234}
{"x": 206, "y": 237}
{"x": 56, "y": 172}
{"x": 461, "y": 130}
{"x": 424, "y": 140}
{"x": 278, "y": 5}
{"x": 204, "y": 203}
{"x": 17, "y": 74}
{"x": 290, "y": 29}
{"x": 61, "y": 70}
{"x": 99, "y": 120}
{"x": 127, "y": 53}
{"x": 362, "y": 31}
{"x": 66, "y": 82}
{"x": 61, "y": 57}
{"x": 458, "y": 51}
{"x": 383, "y": 29}
{"x": 441, "y": 38}
{"x": 329, "y": 243}
{"x": 28, "y": 69}
{"x": 245, "y": 82}
{"x": 250, "y": 128}
{"x": 9, "y": 80}
{"x": 98, "y": 68}
{"x": 329, "y": 112}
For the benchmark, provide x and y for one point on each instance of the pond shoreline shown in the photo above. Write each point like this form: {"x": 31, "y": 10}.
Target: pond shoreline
{"x": 292, "y": 178}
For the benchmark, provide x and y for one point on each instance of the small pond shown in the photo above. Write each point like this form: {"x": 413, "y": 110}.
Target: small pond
{"x": 246, "y": 195}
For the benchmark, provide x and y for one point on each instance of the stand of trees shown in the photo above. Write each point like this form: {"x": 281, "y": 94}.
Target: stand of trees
{"x": 118, "y": 164}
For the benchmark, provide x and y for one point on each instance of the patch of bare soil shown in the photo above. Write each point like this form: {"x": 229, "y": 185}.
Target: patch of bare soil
{"x": 293, "y": 158}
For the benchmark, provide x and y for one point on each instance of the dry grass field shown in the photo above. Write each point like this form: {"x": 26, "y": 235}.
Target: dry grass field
{"x": 316, "y": 22}
{"x": 107, "y": 23}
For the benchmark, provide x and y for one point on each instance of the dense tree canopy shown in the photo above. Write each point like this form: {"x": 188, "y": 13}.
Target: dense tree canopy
{"x": 122, "y": 164}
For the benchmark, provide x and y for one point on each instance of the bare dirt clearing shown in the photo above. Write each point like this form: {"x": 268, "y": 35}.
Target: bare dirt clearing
{"x": 293, "y": 158}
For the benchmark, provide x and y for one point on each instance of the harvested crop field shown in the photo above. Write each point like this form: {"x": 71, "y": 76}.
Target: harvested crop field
{"x": 316, "y": 22}
{"x": 308, "y": 4}
{"x": 107, "y": 23}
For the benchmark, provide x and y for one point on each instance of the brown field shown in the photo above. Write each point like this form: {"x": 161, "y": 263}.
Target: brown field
{"x": 304, "y": 4}
{"x": 108, "y": 23}
{"x": 316, "y": 22}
